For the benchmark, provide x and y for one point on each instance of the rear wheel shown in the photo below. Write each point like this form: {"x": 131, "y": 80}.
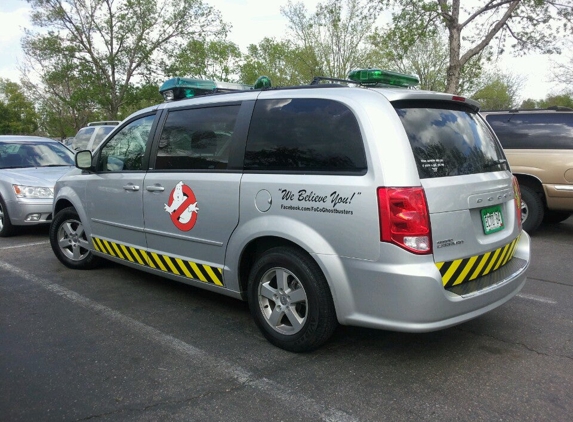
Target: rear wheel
{"x": 6, "y": 227}
{"x": 69, "y": 241}
{"x": 290, "y": 300}
{"x": 532, "y": 209}
{"x": 554, "y": 217}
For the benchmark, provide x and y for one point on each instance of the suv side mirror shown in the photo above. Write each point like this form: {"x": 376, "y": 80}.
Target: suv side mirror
{"x": 84, "y": 160}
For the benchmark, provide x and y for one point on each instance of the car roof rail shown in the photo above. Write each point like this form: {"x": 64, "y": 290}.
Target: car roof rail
{"x": 560, "y": 108}
{"x": 105, "y": 122}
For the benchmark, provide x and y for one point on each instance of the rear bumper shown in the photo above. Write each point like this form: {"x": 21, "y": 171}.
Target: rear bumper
{"x": 411, "y": 297}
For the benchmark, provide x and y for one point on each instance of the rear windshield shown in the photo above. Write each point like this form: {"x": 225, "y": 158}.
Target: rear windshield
{"x": 449, "y": 140}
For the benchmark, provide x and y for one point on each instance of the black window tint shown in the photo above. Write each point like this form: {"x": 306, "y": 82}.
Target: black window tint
{"x": 197, "y": 139}
{"x": 304, "y": 135}
{"x": 126, "y": 149}
{"x": 449, "y": 140}
{"x": 534, "y": 130}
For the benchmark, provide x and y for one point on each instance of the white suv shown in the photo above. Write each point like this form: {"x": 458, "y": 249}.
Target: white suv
{"x": 92, "y": 135}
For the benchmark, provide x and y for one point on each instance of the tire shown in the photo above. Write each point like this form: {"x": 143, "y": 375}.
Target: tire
{"x": 6, "y": 227}
{"x": 69, "y": 241}
{"x": 554, "y": 217}
{"x": 290, "y": 300}
{"x": 532, "y": 209}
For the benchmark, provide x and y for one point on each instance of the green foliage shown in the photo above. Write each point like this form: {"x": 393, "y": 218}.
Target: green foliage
{"x": 563, "y": 100}
{"x": 494, "y": 96}
{"x": 528, "y": 24}
{"x": 104, "y": 47}
{"x": 283, "y": 62}
{"x": 217, "y": 60}
{"x": 17, "y": 113}
{"x": 332, "y": 40}
{"x": 427, "y": 58}
{"x": 499, "y": 92}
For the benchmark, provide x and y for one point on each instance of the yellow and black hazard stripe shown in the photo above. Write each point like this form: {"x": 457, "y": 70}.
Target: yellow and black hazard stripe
{"x": 165, "y": 263}
{"x": 467, "y": 269}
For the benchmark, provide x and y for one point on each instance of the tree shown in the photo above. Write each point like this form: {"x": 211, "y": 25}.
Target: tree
{"x": 500, "y": 93}
{"x": 531, "y": 24}
{"x": 282, "y": 61}
{"x": 563, "y": 100}
{"x": 111, "y": 44}
{"x": 427, "y": 58}
{"x": 212, "y": 59}
{"x": 563, "y": 71}
{"x": 17, "y": 113}
{"x": 332, "y": 39}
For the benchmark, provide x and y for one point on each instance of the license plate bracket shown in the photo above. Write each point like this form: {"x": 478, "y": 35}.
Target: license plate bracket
{"x": 492, "y": 219}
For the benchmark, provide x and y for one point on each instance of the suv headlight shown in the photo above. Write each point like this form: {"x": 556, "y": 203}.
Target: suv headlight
{"x": 33, "y": 192}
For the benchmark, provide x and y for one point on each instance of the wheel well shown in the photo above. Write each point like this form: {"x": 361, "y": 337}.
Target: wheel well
{"x": 532, "y": 183}
{"x": 253, "y": 250}
{"x": 60, "y": 205}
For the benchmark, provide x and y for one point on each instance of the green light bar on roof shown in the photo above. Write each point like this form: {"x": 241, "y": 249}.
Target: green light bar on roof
{"x": 383, "y": 77}
{"x": 182, "y": 88}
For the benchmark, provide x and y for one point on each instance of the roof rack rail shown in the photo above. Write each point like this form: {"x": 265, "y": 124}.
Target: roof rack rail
{"x": 560, "y": 108}
{"x": 317, "y": 79}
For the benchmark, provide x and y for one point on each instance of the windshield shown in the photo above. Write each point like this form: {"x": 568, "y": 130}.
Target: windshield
{"x": 30, "y": 154}
{"x": 449, "y": 140}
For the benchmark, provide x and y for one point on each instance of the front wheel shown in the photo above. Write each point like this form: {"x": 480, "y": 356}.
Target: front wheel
{"x": 69, "y": 241}
{"x": 290, "y": 300}
{"x": 6, "y": 228}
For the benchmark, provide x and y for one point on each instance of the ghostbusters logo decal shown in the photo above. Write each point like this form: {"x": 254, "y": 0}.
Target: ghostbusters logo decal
{"x": 182, "y": 207}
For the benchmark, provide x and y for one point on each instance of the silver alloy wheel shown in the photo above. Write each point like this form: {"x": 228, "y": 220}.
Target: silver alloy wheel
{"x": 524, "y": 211}
{"x": 72, "y": 240}
{"x": 283, "y": 301}
{"x": 1, "y": 217}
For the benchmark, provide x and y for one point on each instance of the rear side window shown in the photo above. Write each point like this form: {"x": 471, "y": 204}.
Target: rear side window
{"x": 82, "y": 138}
{"x": 533, "y": 131}
{"x": 449, "y": 140}
{"x": 197, "y": 139}
{"x": 101, "y": 134}
{"x": 304, "y": 135}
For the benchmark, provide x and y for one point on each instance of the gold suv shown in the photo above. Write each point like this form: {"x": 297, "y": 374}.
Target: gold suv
{"x": 539, "y": 146}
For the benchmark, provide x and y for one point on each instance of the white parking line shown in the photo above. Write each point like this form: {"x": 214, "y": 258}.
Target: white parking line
{"x": 241, "y": 375}
{"x": 25, "y": 245}
{"x": 536, "y": 298}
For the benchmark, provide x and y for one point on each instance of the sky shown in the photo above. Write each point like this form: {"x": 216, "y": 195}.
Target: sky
{"x": 252, "y": 20}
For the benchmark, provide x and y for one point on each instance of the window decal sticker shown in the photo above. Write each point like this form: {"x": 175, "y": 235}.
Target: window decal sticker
{"x": 182, "y": 207}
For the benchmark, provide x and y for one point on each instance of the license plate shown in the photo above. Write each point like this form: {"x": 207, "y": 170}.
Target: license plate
{"x": 492, "y": 219}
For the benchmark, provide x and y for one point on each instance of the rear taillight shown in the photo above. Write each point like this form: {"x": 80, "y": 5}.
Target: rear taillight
{"x": 404, "y": 218}
{"x": 517, "y": 199}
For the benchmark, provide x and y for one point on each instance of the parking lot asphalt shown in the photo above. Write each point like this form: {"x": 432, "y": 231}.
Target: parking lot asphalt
{"x": 116, "y": 344}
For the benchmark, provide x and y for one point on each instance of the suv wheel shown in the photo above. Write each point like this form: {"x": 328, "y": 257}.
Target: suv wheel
{"x": 6, "y": 228}
{"x": 290, "y": 300}
{"x": 69, "y": 241}
{"x": 532, "y": 209}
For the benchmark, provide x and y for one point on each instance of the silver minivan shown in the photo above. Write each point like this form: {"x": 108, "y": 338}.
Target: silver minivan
{"x": 358, "y": 203}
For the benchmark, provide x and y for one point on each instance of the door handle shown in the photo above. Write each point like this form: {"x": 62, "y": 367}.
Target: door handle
{"x": 155, "y": 188}
{"x": 131, "y": 187}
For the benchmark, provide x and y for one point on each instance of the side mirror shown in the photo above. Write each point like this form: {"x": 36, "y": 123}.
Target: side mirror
{"x": 84, "y": 160}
